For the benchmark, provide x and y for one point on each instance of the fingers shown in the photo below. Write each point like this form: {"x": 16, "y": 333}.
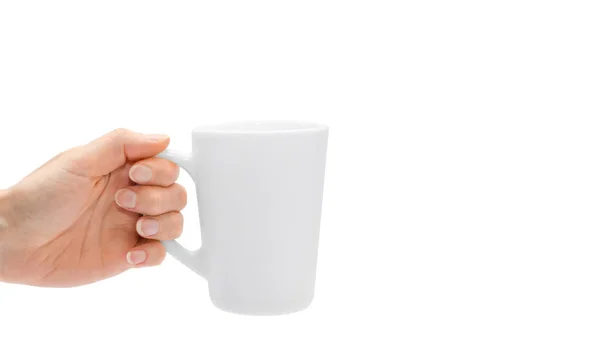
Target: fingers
{"x": 149, "y": 251}
{"x": 168, "y": 226}
{"x": 154, "y": 171}
{"x": 146, "y": 253}
{"x": 152, "y": 200}
{"x": 112, "y": 150}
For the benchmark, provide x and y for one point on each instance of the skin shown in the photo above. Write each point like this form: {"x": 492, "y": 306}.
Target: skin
{"x": 78, "y": 218}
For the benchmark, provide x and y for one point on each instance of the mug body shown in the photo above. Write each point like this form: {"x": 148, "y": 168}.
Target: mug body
{"x": 259, "y": 190}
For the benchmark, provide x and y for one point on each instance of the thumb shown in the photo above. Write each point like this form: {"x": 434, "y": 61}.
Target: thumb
{"x": 113, "y": 150}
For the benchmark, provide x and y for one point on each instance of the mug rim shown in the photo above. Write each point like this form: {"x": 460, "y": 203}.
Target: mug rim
{"x": 261, "y": 127}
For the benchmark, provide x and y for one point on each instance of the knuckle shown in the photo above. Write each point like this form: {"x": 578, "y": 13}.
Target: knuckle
{"x": 120, "y": 131}
{"x": 181, "y": 194}
{"x": 174, "y": 169}
{"x": 116, "y": 134}
{"x": 161, "y": 254}
{"x": 155, "y": 201}
{"x": 177, "y": 226}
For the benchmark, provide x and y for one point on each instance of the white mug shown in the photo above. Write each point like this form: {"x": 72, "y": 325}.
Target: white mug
{"x": 259, "y": 188}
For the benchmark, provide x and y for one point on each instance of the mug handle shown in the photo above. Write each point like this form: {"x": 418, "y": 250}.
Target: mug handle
{"x": 194, "y": 260}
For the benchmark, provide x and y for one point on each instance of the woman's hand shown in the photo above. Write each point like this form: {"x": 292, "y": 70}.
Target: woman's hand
{"x": 78, "y": 218}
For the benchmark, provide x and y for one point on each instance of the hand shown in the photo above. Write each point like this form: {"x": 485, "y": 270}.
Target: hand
{"x": 77, "y": 219}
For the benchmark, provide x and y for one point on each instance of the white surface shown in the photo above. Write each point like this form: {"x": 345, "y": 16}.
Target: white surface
{"x": 259, "y": 187}
{"x": 461, "y": 193}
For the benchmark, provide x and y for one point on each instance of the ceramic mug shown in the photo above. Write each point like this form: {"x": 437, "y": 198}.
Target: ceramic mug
{"x": 259, "y": 188}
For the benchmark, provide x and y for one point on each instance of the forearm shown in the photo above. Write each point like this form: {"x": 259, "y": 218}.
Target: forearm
{"x": 6, "y": 224}
{"x": 5, "y": 212}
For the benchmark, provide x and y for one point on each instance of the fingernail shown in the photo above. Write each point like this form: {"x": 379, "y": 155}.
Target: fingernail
{"x": 125, "y": 198}
{"x": 140, "y": 173}
{"x": 156, "y": 138}
{"x": 136, "y": 257}
{"x": 147, "y": 227}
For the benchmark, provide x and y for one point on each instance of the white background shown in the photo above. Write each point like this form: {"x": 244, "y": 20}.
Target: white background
{"x": 462, "y": 191}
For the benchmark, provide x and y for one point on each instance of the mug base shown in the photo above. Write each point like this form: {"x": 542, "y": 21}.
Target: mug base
{"x": 261, "y": 309}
